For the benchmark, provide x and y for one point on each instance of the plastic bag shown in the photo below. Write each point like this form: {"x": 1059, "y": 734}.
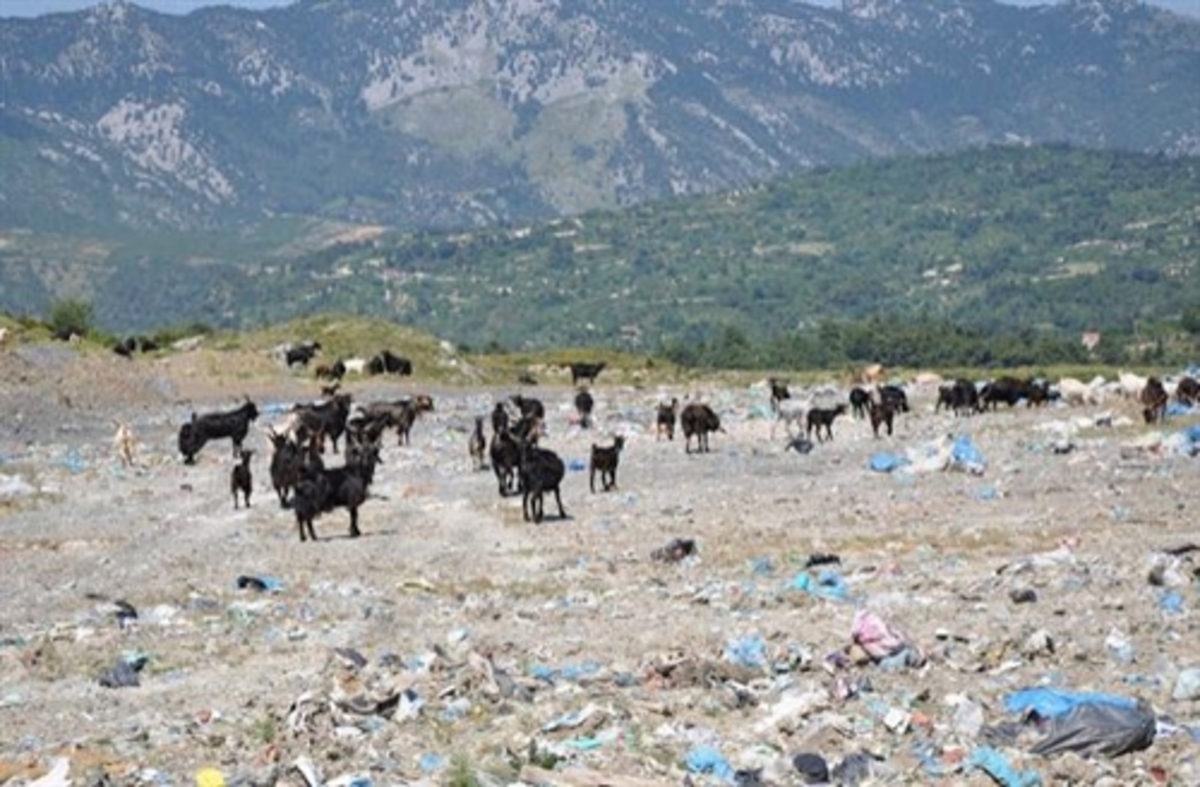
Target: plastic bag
{"x": 1100, "y": 728}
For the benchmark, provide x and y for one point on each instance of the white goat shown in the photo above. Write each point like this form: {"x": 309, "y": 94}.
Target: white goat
{"x": 791, "y": 411}
{"x": 355, "y": 365}
{"x": 1078, "y": 392}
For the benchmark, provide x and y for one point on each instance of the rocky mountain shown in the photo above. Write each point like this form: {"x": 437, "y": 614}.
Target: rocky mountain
{"x": 419, "y": 113}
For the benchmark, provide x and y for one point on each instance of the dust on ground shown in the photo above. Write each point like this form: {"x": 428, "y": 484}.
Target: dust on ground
{"x": 456, "y": 642}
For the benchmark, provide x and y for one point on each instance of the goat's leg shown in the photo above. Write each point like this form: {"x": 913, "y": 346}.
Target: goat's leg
{"x": 354, "y": 531}
{"x": 558, "y": 499}
{"x": 592, "y": 480}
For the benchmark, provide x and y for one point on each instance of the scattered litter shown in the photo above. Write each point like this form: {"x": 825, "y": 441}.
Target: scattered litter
{"x": 811, "y": 767}
{"x": 706, "y": 759}
{"x": 125, "y": 673}
{"x": 261, "y": 584}
{"x": 676, "y": 550}
{"x": 994, "y": 764}
{"x": 883, "y": 643}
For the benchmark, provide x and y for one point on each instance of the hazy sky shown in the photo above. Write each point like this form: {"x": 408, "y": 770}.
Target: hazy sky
{"x": 36, "y": 7}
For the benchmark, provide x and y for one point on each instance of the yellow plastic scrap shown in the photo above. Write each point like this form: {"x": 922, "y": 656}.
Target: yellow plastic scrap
{"x": 209, "y": 777}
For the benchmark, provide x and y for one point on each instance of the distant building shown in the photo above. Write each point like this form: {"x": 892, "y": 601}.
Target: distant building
{"x": 1090, "y": 339}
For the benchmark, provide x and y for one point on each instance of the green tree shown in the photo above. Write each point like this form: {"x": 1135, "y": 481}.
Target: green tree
{"x": 1190, "y": 321}
{"x": 70, "y": 315}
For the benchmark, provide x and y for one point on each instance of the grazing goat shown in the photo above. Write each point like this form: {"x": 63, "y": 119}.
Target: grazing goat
{"x": 334, "y": 371}
{"x": 788, "y": 412}
{"x": 541, "y": 471}
{"x": 286, "y": 464}
{"x": 584, "y": 404}
{"x": 604, "y": 461}
{"x": 664, "y": 420}
{"x": 525, "y": 378}
{"x": 859, "y": 401}
{"x": 1187, "y": 392}
{"x": 124, "y": 443}
{"x": 1010, "y": 390}
{"x": 240, "y": 479}
{"x": 872, "y": 374}
{"x": 499, "y": 418}
{"x": 322, "y": 419}
{"x": 1131, "y": 385}
{"x": 1078, "y": 392}
{"x": 301, "y": 353}
{"x": 529, "y": 406}
{"x": 389, "y": 362}
{"x": 1154, "y": 401}
{"x": 779, "y": 392}
{"x": 477, "y": 444}
{"x": 819, "y": 417}
{"x": 321, "y": 490}
{"x": 132, "y": 344}
{"x": 233, "y": 424}
{"x": 355, "y": 365}
{"x": 893, "y": 395}
{"x": 880, "y": 414}
{"x": 698, "y": 419}
{"x": 961, "y": 396}
{"x": 400, "y": 414}
{"x": 586, "y": 371}
{"x": 505, "y": 454}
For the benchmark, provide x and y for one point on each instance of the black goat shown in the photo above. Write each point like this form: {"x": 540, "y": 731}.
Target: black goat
{"x": 893, "y": 395}
{"x": 240, "y": 479}
{"x": 586, "y": 371}
{"x": 505, "y": 454}
{"x": 324, "y": 419}
{"x": 665, "y": 420}
{"x": 322, "y": 490}
{"x": 604, "y": 461}
{"x": 1188, "y": 391}
{"x": 233, "y": 424}
{"x": 499, "y": 418}
{"x": 1154, "y": 401}
{"x": 529, "y": 406}
{"x": 584, "y": 404}
{"x": 961, "y": 396}
{"x": 860, "y": 402}
{"x": 819, "y": 417}
{"x": 698, "y": 419}
{"x": 286, "y": 464}
{"x": 779, "y": 392}
{"x": 301, "y": 353}
{"x": 132, "y": 344}
{"x": 881, "y": 414}
{"x": 477, "y": 444}
{"x": 390, "y": 363}
{"x": 401, "y": 414}
{"x": 541, "y": 471}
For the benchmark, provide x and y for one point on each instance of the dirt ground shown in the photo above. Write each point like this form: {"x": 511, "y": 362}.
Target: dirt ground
{"x": 456, "y": 643}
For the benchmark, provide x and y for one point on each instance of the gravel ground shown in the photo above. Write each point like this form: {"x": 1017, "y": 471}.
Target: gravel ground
{"x": 496, "y": 648}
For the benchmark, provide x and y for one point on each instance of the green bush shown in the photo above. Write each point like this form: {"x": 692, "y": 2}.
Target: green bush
{"x": 70, "y": 316}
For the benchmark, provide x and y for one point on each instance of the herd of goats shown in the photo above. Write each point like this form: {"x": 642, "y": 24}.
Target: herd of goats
{"x": 306, "y": 486}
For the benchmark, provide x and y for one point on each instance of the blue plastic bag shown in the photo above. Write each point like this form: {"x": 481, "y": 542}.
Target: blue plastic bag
{"x": 706, "y": 759}
{"x": 966, "y": 455}
{"x": 995, "y": 765}
{"x": 1050, "y": 703}
{"x": 747, "y": 652}
{"x": 886, "y": 463}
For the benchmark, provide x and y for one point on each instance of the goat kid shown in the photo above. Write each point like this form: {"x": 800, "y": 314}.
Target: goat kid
{"x": 819, "y": 418}
{"x": 240, "y": 479}
{"x": 604, "y": 461}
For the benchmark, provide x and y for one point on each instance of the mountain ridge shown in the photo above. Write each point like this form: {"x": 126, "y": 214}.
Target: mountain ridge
{"x": 462, "y": 114}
